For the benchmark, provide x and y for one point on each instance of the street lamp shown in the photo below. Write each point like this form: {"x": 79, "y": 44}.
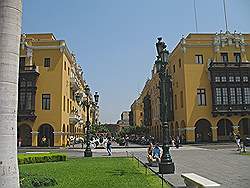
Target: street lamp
{"x": 88, "y": 103}
{"x": 166, "y": 165}
{"x": 96, "y": 108}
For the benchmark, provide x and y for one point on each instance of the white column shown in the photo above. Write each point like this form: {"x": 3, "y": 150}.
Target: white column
{"x": 10, "y": 32}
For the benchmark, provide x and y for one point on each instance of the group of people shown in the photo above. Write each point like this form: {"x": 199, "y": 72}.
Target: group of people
{"x": 154, "y": 153}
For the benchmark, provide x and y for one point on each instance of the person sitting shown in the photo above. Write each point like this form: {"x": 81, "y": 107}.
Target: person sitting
{"x": 150, "y": 153}
{"x": 157, "y": 153}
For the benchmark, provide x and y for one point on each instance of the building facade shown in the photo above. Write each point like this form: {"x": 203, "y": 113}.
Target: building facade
{"x": 136, "y": 114}
{"x": 51, "y": 92}
{"x": 210, "y": 87}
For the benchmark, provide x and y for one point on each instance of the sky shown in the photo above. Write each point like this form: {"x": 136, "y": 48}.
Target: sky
{"x": 114, "y": 40}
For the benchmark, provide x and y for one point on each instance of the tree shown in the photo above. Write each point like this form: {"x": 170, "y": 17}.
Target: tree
{"x": 10, "y": 32}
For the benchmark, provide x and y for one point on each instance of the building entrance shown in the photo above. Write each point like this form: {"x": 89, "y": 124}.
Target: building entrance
{"x": 46, "y": 135}
{"x": 24, "y": 136}
{"x": 203, "y": 132}
{"x": 225, "y": 130}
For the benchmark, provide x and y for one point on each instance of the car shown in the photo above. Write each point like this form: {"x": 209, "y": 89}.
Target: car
{"x": 247, "y": 141}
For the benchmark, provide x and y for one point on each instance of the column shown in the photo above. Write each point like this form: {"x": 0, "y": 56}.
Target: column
{"x": 34, "y": 138}
{"x": 214, "y": 134}
{"x": 236, "y": 129}
{"x": 190, "y": 134}
{"x": 58, "y": 138}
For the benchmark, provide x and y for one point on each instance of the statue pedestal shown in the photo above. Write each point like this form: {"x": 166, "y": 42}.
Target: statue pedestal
{"x": 166, "y": 168}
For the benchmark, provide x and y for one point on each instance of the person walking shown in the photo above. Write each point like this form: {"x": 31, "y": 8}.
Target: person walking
{"x": 109, "y": 145}
{"x": 177, "y": 142}
{"x": 67, "y": 142}
{"x": 237, "y": 139}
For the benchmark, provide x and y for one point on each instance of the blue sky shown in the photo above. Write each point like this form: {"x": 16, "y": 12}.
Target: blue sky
{"x": 114, "y": 40}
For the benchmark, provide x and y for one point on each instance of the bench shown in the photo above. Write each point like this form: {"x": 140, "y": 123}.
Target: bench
{"x": 193, "y": 180}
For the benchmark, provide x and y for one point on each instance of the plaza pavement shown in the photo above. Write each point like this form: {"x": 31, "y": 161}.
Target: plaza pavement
{"x": 218, "y": 162}
{"x": 224, "y": 166}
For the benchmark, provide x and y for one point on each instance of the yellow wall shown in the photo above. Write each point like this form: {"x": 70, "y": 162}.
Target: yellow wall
{"x": 189, "y": 76}
{"x": 56, "y": 81}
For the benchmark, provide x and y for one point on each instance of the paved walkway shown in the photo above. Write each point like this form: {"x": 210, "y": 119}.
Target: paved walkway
{"x": 224, "y": 166}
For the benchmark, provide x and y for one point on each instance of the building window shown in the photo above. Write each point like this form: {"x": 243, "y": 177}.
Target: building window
{"x": 174, "y": 68}
{"x": 46, "y": 101}
{"x": 247, "y": 95}
{"x": 238, "y": 95}
{"x": 175, "y": 102}
{"x": 22, "y": 83}
{"x": 22, "y": 101}
{"x": 181, "y": 99}
{"x": 22, "y": 61}
{"x": 224, "y": 96}
{"x": 179, "y": 63}
{"x": 201, "y": 97}
{"x": 64, "y": 101}
{"x": 232, "y": 96}
{"x": 223, "y": 79}
{"x": 68, "y": 71}
{"x": 28, "y": 101}
{"x": 67, "y": 105}
{"x": 70, "y": 106}
{"x": 63, "y": 129}
{"x": 65, "y": 65}
{"x": 237, "y": 57}
{"x": 29, "y": 83}
{"x": 199, "y": 59}
{"x": 217, "y": 79}
{"x": 231, "y": 79}
{"x": 46, "y": 62}
{"x": 218, "y": 96}
{"x": 237, "y": 79}
{"x": 245, "y": 78}
{"x": 224, "y": 57}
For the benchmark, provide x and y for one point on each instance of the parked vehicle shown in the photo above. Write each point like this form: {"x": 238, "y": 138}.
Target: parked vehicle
{"x": 247, "y": 141}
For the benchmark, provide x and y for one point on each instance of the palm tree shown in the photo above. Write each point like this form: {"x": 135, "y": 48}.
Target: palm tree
{"x": 10, "y": 32}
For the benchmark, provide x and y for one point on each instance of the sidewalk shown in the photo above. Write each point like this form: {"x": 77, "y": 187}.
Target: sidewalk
{"x": 174, "y": 180}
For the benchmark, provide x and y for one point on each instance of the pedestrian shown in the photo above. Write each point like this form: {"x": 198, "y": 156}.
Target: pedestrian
{"x": 20, "y": 142}
{"x": 109, "y": 145}
{"x": 243, "y": 145}
{"x": 126, "y": 141}
{"x": 177, "y": 142}
{"x": 44, "y": 141}
{"x": 150, "y": 153}
{"x": 173, "y": 142}
{"x": 237, "y": 139}
{"x": 67, "y": 142}
{"x": 157, "y": 153}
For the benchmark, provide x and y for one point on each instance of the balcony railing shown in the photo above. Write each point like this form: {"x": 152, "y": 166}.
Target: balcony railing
{"x": 231, "y": 109}
{"x": 74, "y": 84}
{"x": 74, "y": 118}
{"x": 30, "y": 68}
{"x": 228, "y": 64}
{"x": 26, "y": 115}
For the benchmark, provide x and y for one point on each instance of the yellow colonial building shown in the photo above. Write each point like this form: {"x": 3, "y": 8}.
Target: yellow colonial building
{"x": 210, "y": 88}
{"x": 136, "y": 113}
{"x": 51, "y": 91}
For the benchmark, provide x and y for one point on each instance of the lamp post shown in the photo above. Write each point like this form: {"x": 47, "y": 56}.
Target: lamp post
{"x": 88, "y": 103}
{"x": 166, "y": 165}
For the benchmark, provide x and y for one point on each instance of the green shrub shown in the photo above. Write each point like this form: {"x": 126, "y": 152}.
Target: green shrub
{"x": 40, "y": 158}
{"x": 32, "y": 180}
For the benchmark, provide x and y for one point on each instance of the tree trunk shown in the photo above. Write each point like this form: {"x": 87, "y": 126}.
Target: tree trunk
{"x": 10, "y": 32}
